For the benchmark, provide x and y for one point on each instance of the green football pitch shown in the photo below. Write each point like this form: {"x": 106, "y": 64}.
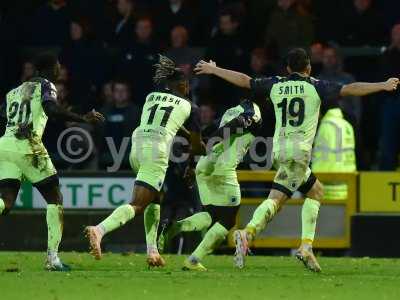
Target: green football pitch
{"x": 127, "y": 277}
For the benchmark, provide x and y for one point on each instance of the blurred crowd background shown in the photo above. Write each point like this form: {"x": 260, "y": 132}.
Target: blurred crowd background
{"x": 107, "y": 49}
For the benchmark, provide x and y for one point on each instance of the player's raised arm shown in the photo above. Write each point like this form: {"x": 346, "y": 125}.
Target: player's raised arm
{"x": 365, "y": 88}
{"x": 236, "y": 78}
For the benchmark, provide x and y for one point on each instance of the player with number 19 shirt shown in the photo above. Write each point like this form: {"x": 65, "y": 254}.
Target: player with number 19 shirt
{"x": 297, "y": 100}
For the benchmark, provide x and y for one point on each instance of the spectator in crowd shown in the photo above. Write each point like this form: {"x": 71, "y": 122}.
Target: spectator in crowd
{"x": 185, "y": 56}
{"x": 122, "y": 117}
{"x": 123, "y": 29}
{"x": 362, "y": 25}
{"x": 52, "y": 21}
{"x": 332, "y": 70}
{"x": 207, "y": 114}
{"x": 390, "y": 127}
{"x": 137, "y": 60}
{"x": 28, "y": 70}
{"x": 259, "y": 16}
{"x": 173, "y": 13}
{"x": 180, "y": 52}
{"x": 81, "y": 56}
{"x": 316, "y": 55}
{"x": 106, "y": 96}
{"x": 350, "y": 106}
{"x": 260, "y": 64}
{"x": 227, "y": 50}
{"x": 288, "y": 27}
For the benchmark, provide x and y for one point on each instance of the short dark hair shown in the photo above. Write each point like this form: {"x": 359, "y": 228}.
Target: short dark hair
{"x": 298, "y": 59}
{"x": 45, "y": 62}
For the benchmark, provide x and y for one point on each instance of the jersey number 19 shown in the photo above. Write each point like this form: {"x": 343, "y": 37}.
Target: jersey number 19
{"x": 295, "y": 109}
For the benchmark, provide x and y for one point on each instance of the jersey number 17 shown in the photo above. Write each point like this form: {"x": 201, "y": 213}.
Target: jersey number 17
{"x": 167, "y": 114}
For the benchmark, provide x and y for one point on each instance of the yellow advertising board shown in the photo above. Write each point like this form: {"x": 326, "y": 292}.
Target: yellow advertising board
{"x": 380, "y": 192}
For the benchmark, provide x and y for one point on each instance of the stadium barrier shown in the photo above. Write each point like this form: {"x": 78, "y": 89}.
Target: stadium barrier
{"x": 379, "y": 192}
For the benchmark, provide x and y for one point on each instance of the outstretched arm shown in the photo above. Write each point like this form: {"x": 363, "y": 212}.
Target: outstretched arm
{"x": 236, "y": 78}
{"x": 365, "y": 88}
{"x": 53, "y": 110}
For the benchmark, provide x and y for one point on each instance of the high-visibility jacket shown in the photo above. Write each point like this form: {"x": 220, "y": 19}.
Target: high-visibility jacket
{"x": 334, "y": 151}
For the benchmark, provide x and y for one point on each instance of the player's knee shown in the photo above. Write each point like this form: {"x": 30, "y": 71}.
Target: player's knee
{"x": 207, "y": 219}
{"x": 318, "y": 191}
{"x": 139, "y": 209}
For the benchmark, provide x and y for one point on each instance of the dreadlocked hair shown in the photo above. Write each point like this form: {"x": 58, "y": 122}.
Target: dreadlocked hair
{"x": 166, "y": 70}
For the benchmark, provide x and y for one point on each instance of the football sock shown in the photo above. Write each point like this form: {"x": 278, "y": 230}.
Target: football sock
{"x": 119, "y": 217}
{"x": 2, "y": 206}
{"x": 151, "y": 221}
{"x": 197, "y": 222}
{"x": 213, "y": 237}
{"x": 261, "y": 217}
{"x": 54, "y": 218}
{"x": 309, "y": 216}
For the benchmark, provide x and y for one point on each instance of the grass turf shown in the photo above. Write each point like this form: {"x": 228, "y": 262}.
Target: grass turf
{"x": 127, "y": 277}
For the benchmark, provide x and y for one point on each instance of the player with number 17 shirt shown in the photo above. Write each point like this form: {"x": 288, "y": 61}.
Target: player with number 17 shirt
{"x": 164, "y": 113}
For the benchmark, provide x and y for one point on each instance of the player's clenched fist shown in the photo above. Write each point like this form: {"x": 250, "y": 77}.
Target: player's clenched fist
{"x": 204, "y": 67}
{"x": 391, "y": 84}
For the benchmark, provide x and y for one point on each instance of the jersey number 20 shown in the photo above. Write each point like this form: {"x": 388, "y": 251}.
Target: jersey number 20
{"x": 23, "y": 112}
{"x": 295, "y": 108}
